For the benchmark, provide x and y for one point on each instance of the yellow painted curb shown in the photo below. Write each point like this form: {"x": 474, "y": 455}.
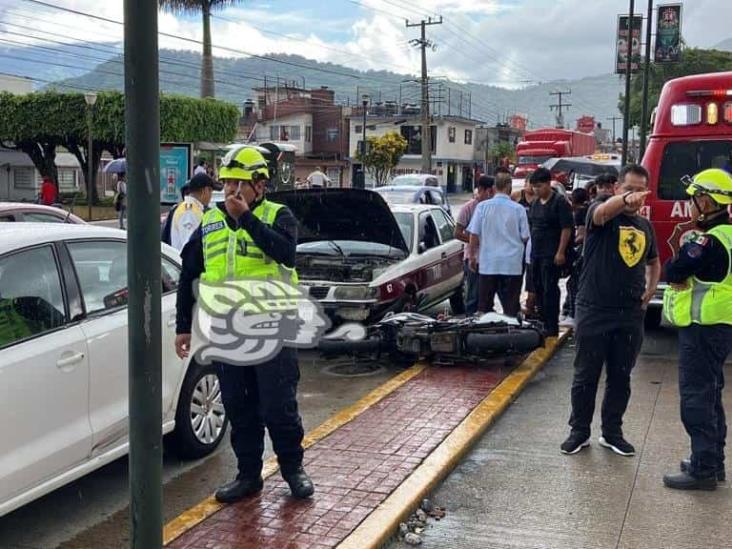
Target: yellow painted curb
{"x": 377, "y": 528}
{"x": 201, "y": 511}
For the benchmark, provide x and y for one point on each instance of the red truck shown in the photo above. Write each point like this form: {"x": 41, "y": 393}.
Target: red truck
{"x": 538, "y": 146}
{"x": 692, "y": 131}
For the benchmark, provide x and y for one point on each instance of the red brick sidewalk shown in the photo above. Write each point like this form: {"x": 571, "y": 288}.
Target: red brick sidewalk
{"x": 354, "y": 469}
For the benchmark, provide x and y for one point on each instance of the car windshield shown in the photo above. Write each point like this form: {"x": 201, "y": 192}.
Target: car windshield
{"x": 690, "y": 158}
{"x": 397, "y": 197}
{"x": 348, "y": 248}
{"x": 405, "y": 220}
{"x": 411, "y": 180}
{"x": 533, "y": 159}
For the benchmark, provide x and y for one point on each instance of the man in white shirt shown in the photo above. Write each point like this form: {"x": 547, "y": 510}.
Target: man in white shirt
{"x": 201, "y": 168}
{"x": 317, "y": 179}
{"x": 499, "y": 231}
{"x": 187, "y": 215}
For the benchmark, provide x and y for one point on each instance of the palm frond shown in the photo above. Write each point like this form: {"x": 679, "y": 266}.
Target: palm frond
{"x": 194, "y": 6}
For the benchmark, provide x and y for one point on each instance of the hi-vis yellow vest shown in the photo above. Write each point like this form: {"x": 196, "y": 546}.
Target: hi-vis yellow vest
{"x": 233, "y": 255}
{"x": 703, "y": 302}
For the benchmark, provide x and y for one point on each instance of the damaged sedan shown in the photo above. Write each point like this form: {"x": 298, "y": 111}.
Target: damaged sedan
{"x": 362, "y": 259}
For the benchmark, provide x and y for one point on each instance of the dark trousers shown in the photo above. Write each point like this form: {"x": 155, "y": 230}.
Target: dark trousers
{"x": 617, "y": 349}
{"x": 508, "y": 289}
{"x": 546, "y": 284}
{"x": 471, "y": 289}
{"x": 702, "y": 352}
{"x": 259, "y": 396}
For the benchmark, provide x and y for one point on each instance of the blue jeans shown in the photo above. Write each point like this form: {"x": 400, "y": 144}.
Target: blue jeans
{"x": 702, "y": 353}
{"x": 470, "y": 289}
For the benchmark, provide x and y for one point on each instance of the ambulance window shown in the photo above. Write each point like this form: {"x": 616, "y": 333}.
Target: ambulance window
{"x": 689, "y": 158}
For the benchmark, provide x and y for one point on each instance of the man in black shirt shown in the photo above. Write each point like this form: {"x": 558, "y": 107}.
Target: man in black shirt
{"x": 550, "y": 218}
{"x": 619, "y": 277}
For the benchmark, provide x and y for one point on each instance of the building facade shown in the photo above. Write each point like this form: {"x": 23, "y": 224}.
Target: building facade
{"x": 453, "y": 144}
{"x": 309, "y": 119}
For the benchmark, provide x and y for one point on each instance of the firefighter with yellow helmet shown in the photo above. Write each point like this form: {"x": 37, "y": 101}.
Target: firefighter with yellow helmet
{"x": 248, "y": 238}
{"x": 699, "y": 303}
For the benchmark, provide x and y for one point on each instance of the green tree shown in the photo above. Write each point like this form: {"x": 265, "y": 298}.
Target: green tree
{"x": 204, "y": 7}
{"x": 38, "y": 123}
{"x": 693, "y": 61}
{"x": 501, "y": 150}
{"x": 382, "y": 156}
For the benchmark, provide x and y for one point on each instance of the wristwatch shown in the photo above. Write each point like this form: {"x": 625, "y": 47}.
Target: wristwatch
{"x": 625, "y": 197}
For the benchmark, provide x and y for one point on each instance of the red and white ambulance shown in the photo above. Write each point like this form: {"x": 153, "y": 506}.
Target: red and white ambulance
{"x": 692, "y": 131}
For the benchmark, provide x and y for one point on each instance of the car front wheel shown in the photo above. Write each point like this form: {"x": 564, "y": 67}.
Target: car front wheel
{"x": 200, "y": 420}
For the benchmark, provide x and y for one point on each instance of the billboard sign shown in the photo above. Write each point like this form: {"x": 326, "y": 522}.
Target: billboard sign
{"x": 175, "y": 170}
{"x": 621, "y": 48}
{"x": 668, "y": 34}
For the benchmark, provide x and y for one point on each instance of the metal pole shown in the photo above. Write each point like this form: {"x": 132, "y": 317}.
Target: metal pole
{"x": 628, "y": 68}
{"x": 646, "y": 72}
{"x": 426, "y": 130}
{"x": 89, "y": 162}
{"x": 142, "y": 120}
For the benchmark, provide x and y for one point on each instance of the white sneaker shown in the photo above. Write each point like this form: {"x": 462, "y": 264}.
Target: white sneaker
{"x": 567, "y": 322}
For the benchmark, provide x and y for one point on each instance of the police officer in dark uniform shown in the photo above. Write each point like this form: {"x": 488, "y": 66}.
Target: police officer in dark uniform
{"x": 699, "y": 302}
{"x": 248, "y": 237}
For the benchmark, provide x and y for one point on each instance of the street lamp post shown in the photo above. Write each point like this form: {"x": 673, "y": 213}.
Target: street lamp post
{"x": 364, "y": 104}
{"x": 90, "y": 98}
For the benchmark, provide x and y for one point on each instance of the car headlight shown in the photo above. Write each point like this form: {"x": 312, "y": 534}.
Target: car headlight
{"x": 355, "y": 292}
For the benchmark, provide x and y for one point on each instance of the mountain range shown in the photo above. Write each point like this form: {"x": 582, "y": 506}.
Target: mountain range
{"x": 99, "y": 66}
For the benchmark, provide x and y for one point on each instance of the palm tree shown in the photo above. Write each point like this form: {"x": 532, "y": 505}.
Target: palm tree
{"x": 205, "y": 7}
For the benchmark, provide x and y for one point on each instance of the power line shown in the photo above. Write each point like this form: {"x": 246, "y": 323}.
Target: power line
{"x": 559, "y": 106}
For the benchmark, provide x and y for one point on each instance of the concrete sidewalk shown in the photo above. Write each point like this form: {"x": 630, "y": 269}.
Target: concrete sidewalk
{"x": 516, "y": 490}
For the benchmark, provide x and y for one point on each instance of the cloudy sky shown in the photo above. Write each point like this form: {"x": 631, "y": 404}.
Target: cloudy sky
{"x": 502, "y": 42}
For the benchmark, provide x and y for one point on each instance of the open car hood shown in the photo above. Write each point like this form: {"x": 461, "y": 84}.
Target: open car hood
{"x": 342, "y": 214}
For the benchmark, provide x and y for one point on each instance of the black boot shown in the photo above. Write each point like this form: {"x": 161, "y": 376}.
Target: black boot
{"x": 686, "y": 467}
{"x": 239, "y": 489}
{"x": 684, "y": 481}
{"x": 300, "y": 484}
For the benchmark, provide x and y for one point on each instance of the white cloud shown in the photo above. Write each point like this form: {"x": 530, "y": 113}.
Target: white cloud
{"x": 489, "y": 41}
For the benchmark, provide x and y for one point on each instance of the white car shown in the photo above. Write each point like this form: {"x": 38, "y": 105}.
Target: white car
{"x": 361, "y": 258}
{"x": 63, "y": 360}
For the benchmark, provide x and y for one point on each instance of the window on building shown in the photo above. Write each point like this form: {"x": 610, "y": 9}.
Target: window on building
{"x": 357, "y": 129}
{"x": 451, "y": 134}
{"x": 24, "y": 178}
{"x": 468, "y": 137}
{"x": 274, "y": 133}
{"x": 331, "y": 135}
{"x": 308, "y": 134}
{"x": 413, "y": 135}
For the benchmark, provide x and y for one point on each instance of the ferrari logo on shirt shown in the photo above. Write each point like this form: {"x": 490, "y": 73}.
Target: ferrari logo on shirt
{"x": 632, "y": 245}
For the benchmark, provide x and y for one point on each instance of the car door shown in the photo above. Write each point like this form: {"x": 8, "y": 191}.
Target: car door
{"x": 431, "y": 259}
{"x": 101, "y": 268}
{"x": 44, "y": 371}
{"x": 451, "y": 252}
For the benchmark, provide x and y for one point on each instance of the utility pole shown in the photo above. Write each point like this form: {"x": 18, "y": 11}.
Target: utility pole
{"x": 559, "y": 106}
{"x": 142, "y": 135}
{"x": 646, "y": 70}
{"x": 423, "y": 43}
{"x": 628, "y": 69}
{"x": 614, "y": 119}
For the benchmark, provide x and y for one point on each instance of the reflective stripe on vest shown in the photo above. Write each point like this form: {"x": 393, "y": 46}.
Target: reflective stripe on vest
{"x": 232, "y": 254}
{"x": 703, "y": 302}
